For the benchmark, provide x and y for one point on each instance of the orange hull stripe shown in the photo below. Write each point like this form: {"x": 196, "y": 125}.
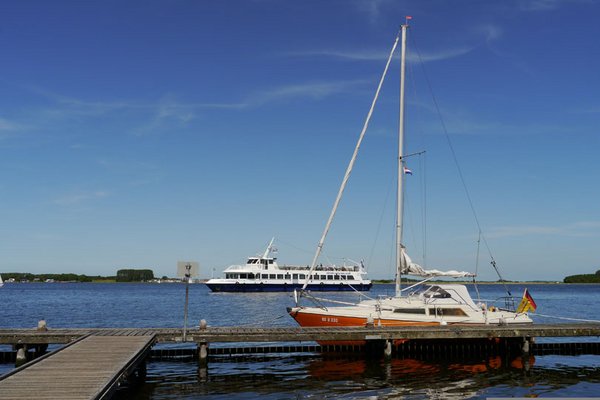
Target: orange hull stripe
{"x": 312, "y": 320}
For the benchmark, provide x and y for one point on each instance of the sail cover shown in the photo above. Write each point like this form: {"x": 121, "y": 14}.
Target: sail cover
{"x": 408, "y": 267}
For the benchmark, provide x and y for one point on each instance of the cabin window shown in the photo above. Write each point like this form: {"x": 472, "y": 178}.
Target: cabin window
{"x": 453, "y": 312}
{"x": 295, "y": 276}
{"x": 279, "y": 276}
{"x": 329, "y": 277}
{"x": 302, "y": 276}
{"x": 323, "y": 277}
{"x": 265, "y": 276}
{"x": 336, "y": 277}
{"x": 243, "y": 276}
{"x": 410, "y": 310}
{"x": 436, "y": 292}
{"x": 271, "y": 261}
{"x": 271, "y": 276}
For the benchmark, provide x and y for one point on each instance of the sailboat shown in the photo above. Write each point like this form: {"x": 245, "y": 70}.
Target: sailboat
{"x": 416, "y": 305}
{"x": 1, "y": 281}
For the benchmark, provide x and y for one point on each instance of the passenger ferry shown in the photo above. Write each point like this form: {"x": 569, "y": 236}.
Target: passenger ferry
{"x": 263, "y": 274}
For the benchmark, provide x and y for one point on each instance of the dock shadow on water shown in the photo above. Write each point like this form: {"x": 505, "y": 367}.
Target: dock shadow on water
{"x": 347, "y": 377}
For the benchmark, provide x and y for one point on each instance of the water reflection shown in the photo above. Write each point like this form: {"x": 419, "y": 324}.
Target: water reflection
{"x": 342, "y": 377}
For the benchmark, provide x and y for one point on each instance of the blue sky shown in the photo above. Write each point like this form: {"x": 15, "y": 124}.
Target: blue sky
{"x": 139, "y": 133}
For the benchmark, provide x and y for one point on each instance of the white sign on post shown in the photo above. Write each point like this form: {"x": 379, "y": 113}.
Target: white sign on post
{"x": 187, "y": 269}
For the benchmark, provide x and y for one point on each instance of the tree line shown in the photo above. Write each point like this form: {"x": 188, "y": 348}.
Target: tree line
{"x": 123, "y": 275}
{"x": 134, "y": 275}
{"x": 583, "y": 278}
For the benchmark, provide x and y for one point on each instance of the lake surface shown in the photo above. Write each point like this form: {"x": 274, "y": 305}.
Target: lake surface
{"x": 73, "y": 305}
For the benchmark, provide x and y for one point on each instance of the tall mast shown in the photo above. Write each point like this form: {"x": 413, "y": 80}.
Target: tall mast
{"x": 400, "y": 194}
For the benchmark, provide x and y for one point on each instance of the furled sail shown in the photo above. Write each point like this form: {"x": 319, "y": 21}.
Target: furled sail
{"x": 408, "y": 267}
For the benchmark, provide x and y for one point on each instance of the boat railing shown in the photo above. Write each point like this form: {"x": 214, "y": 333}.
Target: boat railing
{"x": 507, "y": 303}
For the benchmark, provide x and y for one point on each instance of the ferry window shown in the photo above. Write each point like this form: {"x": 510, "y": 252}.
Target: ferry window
{"x": 323, "y": 277}
{"x": 279, "y": 276}
{"x": 329, "y": 277}
{"x": 295, "y": 276}
{"x": 264, "y": 276}
{"x": 336, "y": 277}
{"x": 272, "y": 276}
{"x": 302, "y": 276}
{"x": 243, "y": 276}
{"x": 270, "y": 261}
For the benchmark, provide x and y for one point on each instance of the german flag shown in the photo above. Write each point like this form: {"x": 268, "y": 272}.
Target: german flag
{"x": 527, "y": 303}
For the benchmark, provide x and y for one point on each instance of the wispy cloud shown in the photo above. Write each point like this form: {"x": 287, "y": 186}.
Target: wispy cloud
{"x": 9, "y": 127}
{"x": 314, "y": 90}
{"x": 381, "y": 55}
{"x": 78, "y": 198}
{"x": 576, "y": 229}
{"x": 6, "y": 125}
{"x": 588, "y": 110}
{"x": 481, "y": 35}
{"x": 547, "y": 5}
{"x": 373, "y": 9}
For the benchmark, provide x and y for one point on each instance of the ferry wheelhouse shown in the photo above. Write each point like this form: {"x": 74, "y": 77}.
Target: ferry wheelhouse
{"x": 263, "y": 274}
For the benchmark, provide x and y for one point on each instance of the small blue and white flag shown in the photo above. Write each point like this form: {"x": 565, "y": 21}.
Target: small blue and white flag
{"x": 407, "y": 171}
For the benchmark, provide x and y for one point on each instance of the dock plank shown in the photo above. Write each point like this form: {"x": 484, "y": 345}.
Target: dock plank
{"x": 84, "y": 370}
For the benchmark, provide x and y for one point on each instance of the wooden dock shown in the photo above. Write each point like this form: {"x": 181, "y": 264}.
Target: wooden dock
{"x": 95, "y": 361}
{"x": 296, "y": 334}
{"x": 91, "y": 367}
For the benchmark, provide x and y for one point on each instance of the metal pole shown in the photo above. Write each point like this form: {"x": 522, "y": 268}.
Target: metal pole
{"x": 188, "y": 274}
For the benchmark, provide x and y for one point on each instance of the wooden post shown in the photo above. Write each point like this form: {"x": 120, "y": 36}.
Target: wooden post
{"x": 387, "y": 351}
{"x": 203, "y": 347}
{"x": 21, "y": 356}
{"x": 525, "y": 347}
{"x": 40, "y": 349}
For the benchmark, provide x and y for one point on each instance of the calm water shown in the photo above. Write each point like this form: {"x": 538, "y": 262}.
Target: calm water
{"x": 312, "y": 376}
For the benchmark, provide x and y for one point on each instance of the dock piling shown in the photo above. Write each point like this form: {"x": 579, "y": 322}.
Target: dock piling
{"x": 202, "y": 347}
{"x": 21, "y": 357}
{"x": 387, "y": 352}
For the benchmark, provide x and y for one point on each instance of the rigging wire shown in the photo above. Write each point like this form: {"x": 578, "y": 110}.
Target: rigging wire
{"x": 477, "y": 268}
{"x": 567, "y": 318}
{"x": 455, "y": 159}
{"x": 423, "y": 162}
{"x": 384, "y": 208}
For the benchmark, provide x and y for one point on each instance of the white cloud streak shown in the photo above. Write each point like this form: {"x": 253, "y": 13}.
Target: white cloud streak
{"x": 576, "y": 229}
{"x": 78, "y": 198}
{"x": 547, "y": 5}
